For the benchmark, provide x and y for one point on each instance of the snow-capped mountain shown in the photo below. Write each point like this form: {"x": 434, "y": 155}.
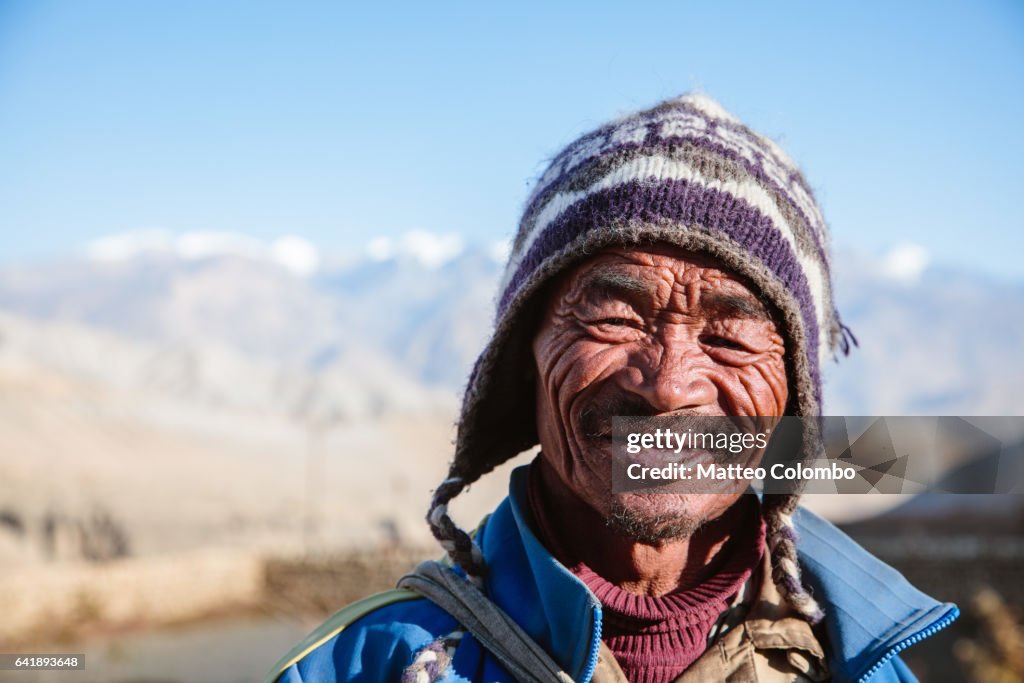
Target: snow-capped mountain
{"x": 418, "y": 306}
{"x": 415, "y": 311}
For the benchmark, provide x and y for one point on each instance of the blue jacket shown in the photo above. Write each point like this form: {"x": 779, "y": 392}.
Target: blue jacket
{"x": 872, "y": 612}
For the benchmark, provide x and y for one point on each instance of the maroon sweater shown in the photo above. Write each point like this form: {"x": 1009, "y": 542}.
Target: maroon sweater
{"x": 654, "y": 639}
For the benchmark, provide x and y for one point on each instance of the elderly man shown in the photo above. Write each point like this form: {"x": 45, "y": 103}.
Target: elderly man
{"x": 671, "y": 263}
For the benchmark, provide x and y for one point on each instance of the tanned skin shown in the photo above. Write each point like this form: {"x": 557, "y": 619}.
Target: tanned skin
{"x": 651, "y": 331}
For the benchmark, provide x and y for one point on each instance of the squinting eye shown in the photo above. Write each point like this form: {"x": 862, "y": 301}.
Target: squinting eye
{"x": 721, "y": 342}
{"x": 614, "y": 330}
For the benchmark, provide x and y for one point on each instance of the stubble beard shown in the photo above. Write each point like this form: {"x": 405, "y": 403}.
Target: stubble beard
{"x": 648, "y": 528}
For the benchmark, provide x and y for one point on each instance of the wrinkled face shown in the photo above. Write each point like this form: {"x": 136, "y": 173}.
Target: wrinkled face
{"x": 652, "y": 331}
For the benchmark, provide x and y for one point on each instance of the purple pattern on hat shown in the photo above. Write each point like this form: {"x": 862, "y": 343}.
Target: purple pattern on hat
{"x": 685, "y": 204}
{"x": 655, "y": 143}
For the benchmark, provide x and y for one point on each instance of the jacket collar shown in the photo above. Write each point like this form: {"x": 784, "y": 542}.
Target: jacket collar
{"x": 523, "y": 574}
{"x": 872, "y": 612}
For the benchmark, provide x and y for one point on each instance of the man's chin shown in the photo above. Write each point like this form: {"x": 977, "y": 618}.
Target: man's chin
{"x": 644, "y": 521}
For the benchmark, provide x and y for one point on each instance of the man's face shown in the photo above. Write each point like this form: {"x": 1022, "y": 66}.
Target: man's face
{"x": 653, "y": 331}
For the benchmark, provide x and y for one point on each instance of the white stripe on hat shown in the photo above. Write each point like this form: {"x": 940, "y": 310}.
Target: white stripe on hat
{"x": 660, "y": 168}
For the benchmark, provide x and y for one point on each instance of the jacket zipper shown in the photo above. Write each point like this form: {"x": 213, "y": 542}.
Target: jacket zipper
{"x": 942, "y": 623}
{"x": 595, "y": 646}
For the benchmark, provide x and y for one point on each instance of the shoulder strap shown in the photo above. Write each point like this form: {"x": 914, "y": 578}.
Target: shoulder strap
{"x": 489, "y": 624}
{"x": 335, "y": 625}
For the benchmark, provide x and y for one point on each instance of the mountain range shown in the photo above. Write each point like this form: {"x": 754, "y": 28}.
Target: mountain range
{"x": 396, "y": 329}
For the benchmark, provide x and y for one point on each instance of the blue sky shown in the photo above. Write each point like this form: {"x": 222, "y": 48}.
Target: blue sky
{"x": 341, "y": 121}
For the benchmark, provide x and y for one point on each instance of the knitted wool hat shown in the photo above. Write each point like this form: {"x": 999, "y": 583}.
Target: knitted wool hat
{"x": 686, "y": 173}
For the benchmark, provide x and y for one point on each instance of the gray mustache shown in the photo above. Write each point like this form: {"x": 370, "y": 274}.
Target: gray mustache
{"x": 595, "y": 420}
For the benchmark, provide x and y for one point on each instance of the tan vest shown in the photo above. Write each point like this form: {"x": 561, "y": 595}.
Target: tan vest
{"x": 770, "y": 645}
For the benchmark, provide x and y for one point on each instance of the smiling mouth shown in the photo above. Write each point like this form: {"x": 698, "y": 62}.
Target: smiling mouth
{"x": 657, "y": 458}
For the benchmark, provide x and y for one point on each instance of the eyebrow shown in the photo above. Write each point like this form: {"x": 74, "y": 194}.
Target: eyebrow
{"x": 614, "y": 283}
{"x": 733, "y": 305}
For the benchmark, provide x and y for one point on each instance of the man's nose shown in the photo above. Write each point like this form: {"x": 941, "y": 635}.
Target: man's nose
{"x": 673, "y": 380}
